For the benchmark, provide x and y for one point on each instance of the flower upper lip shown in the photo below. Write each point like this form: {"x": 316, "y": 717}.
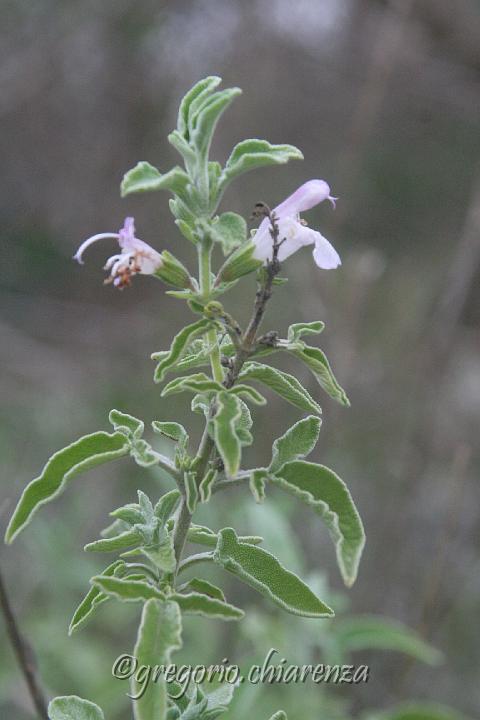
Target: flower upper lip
{"x": 135, "y": 257}
{"x": 293, "y": 233}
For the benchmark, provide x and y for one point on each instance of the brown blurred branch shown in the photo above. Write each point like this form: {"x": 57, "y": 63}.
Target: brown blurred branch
{"x": 24, "y": 654}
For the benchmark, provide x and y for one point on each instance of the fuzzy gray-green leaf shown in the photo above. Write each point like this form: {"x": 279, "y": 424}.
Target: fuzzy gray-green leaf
{"x": 328, "y": 495}
{"x": 297, "y": 442}
{"x": 86, "y": 453}
{"x": 282, "y": 383}
{"x": 159, "y": 634}
{"x": 72, "y": 707}
{"x": 178, "y": 347}
{"x": 262, "y": 571}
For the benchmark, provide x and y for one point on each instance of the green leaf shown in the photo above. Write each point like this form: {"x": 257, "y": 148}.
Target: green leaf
{"x": 204, "y": 536}
{"x": 206, "y": 485}
{"x": 172, "y": 430}
{"x": 279, "y": 715}
{"x": 262, "y": 571}
{"x": 126, "y": 589}
{"x": 328, "y": 495}
{"x": 93, "y": 598}
{"x": 204, "y": 587}
{"x": 297, "y": 442}
{"x": 249, "y": 393}
{"x": 159, "y": 634}
{"x": 127, "y": 424}
{"x": 166, "y": 505}
{"x": 257, "y": 484}
{"x": 372, "y": 632}
{"x": 191, "y": 490}
{"x": 198, "y": 604}
{"x": 225, "y": 424}
{"x": 296, "y": 330}
{"x": 129, "y": 513}
{"x": 282, "y": 383}
{"x": 86, "y": 453}
{"x": 251, "y": 154}
{"x": 178, "y": 347}
{"x": 206, "y": 118}
{"x": 162, "y": 553}
{"x": 146, "y": 178}
{"x": 143, "y": 454}
{"x": 317, "y": 362}
{"x": 230, "y": 230}
{"x": 201, "y": 88}
{"x": 72, "y": 707}
{"x": 118, "y": 542}
{"x": 197, "y": 383}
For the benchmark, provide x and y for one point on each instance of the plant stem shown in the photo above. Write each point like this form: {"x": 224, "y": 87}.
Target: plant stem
{"x": 24, "y": 653}
{"x": 244, "y": 350}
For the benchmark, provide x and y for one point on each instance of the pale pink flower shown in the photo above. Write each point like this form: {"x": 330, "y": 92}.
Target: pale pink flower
{"x": 135, "y": 256}
{"x": 293, "y": 232}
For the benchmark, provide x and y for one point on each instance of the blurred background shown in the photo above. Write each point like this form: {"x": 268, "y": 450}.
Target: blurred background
{"x": 383, "y": 98}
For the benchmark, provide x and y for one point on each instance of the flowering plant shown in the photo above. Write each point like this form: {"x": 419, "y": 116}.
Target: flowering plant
{"x": 218, "y": 363}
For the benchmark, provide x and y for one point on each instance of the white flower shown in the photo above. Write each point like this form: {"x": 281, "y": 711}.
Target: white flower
{"x": 135, "y": 256}
{"x": 293, "y": 232}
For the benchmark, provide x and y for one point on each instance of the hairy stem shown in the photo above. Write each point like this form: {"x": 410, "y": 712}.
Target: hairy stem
{"x": 24, "y": 654}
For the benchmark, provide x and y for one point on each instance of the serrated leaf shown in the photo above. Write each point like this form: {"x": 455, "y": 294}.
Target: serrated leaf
{"x": 225, "y": 431}
{"x": 129, "y": 425}
{"x": 178, "y": 346}
{"x": 328, "y": 495}
{"x": 118, "y": 542}
{"x": 198, "y": 604}
{"x": 72, "y": 707}
{"x": 251, "y": 154}
{"x": 146, "y": 178}
{"x": 230, "y": 230}
{"x": 370, "y": 632}
{"x": 297, "y": 442}
{"x": 93, "y": 599}
{"x": 317, "y": 362}
{"x": 159, "y": 634}
{"x": 262, "y": 571}
{"x": 282, "y": 383}
{"x": 84, "y": 454}
{"x": 127, "y": 590}
{"x": 199, "y": 585}
{"x": 297, "y": 330}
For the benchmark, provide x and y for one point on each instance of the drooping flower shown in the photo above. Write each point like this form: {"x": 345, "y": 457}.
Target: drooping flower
{"x": 293, "y": 231}
{"x": 135, "y": 256}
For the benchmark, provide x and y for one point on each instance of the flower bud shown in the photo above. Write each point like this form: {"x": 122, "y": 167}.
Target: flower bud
{"x": 172, "y": 272}
{"x": 240, "y": 262}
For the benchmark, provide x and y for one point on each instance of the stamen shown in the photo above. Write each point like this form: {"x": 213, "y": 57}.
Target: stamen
{"x": 90, "y": 241}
